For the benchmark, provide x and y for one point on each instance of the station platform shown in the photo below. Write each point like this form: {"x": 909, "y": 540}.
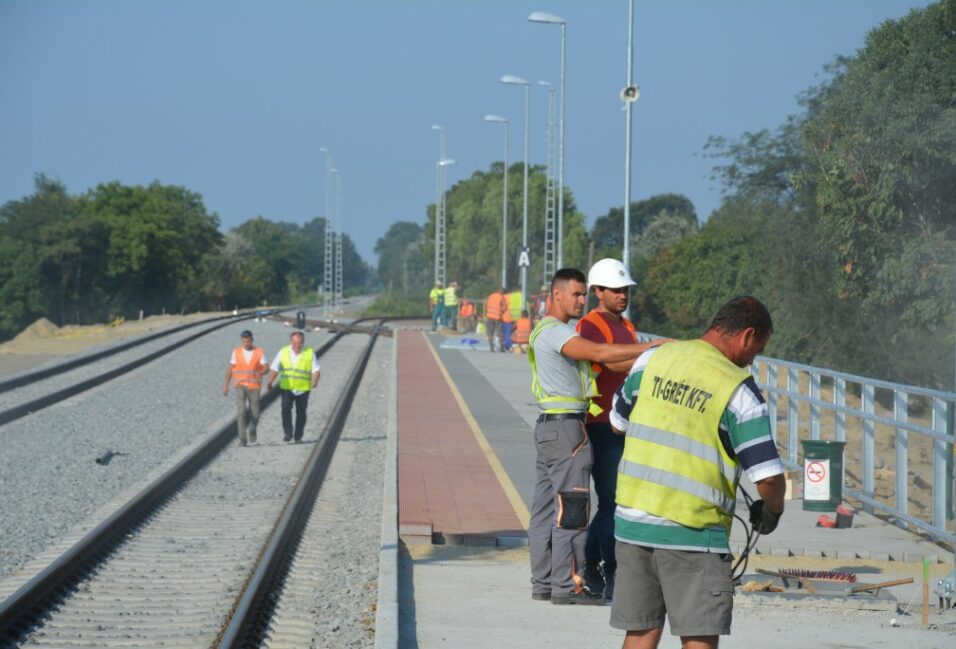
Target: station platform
{"x": 465, "y": 482}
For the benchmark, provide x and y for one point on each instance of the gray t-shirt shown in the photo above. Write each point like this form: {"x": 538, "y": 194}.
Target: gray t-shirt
{"x": 558, "y": 375}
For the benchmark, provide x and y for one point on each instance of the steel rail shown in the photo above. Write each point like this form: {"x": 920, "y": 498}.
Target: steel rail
{"x": 294, "y": 517}
{"x": 18, "y": 609}
{"x": 38, "y": 375}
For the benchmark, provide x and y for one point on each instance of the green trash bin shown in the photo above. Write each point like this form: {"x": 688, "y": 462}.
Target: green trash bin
{"x": 822, "y": 475}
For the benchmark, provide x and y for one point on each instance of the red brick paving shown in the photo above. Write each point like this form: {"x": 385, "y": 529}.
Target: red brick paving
{"x": 444, "y": 479}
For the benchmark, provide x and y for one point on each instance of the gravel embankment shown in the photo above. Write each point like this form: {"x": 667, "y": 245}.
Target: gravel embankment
{"x": 50, "y": 479}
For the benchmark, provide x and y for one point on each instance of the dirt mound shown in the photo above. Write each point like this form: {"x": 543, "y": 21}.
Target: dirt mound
{"x": 40, "y": 329}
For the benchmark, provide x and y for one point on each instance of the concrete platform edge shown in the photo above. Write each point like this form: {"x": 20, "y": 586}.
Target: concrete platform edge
{"x": 386, "y": 614}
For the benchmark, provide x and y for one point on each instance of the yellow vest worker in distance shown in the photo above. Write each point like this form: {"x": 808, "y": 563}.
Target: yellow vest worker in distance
{"x": 694, "y": 419}
{"x": 451, "y": 305}
{"x": 246, "y": 367}
{"x": 436, "y": 300}
{"x": 298, "y": 372}
{"x": 561, "y": 383}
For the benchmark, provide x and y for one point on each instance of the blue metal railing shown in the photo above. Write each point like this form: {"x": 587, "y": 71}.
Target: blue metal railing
{"x": 801, "y": 400}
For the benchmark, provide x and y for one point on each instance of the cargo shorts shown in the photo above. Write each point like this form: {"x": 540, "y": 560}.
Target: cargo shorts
{"x": 693, "y": 589}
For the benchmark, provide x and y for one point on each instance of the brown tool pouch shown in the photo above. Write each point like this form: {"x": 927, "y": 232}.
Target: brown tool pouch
{"x": 573, "y": 510}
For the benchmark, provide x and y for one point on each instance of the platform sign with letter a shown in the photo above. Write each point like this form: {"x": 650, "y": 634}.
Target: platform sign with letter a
{"x": 524, "y": 258}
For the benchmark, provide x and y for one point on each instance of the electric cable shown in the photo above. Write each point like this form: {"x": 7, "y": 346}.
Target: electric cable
{"x": 751, "y": 543}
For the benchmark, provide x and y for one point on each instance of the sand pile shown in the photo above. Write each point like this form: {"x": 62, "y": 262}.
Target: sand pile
{"x": 39, "y": 330}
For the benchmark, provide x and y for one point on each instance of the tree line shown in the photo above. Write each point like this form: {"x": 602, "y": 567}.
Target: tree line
{"x": 842, "y": 219}
{"x": 119, "y": 249}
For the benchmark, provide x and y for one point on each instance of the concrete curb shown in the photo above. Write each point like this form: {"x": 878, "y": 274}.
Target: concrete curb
{"x": 386, "y": 614}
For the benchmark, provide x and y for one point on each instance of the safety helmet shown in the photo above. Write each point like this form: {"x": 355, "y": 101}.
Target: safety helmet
{"x": 609, "y": 273}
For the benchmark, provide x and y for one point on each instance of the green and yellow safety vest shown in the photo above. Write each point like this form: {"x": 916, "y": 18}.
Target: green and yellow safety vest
{"x": 451, "y": 296}
{"x": 674, "y": 465}
{"x": 296, "y": 377}
{"x": 559, "y": 403}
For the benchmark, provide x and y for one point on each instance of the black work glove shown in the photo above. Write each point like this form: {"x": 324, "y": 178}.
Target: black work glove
{"x": 763, "y": 520}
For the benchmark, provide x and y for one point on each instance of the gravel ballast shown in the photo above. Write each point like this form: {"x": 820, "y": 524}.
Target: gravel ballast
{"x": 50, "y": 479}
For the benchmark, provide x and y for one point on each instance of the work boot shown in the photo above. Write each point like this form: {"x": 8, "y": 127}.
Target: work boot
{"x": 541, "y": 596}
{"x": 584, "y": 597}
{"x": 594, "y": 577}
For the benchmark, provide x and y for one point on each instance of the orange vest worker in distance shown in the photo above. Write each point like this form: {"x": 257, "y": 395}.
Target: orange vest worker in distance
{"x": 245, "y": 371}
{"x": 495, "y": 308}
{"x": 522, "y": 333}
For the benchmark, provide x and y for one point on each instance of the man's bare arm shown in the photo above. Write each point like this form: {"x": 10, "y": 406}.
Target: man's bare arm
{"x": 582, "y": 349}
{"x": 772, "y": 490}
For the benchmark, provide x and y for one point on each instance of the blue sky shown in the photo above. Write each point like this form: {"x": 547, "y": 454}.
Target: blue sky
{"x": 234, "y": 99}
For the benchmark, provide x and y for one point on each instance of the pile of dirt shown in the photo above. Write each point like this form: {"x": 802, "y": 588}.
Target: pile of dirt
{"x": 39, "y": 330}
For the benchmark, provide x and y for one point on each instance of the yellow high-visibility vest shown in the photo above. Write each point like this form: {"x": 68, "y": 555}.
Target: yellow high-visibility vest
{"x": 451, "y": 296}
{"x": 674, "y": 465}
{"x": 558, "y": 403}
{"x": 296, "y": 377}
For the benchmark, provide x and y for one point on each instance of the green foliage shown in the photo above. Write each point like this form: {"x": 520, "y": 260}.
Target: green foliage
{"x": 607, "y": 233}
{"x": 396, "y": 304}
{"x": 117, "y": 249}
{"x": 398, "y": 268}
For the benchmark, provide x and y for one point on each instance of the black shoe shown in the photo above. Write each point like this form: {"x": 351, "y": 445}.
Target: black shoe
{"x": 594, "y": 577}
{"x": 542, "y": 596}
{"x": 298, "y": 440}
{"x": 609, "y": 587}
{"x": 581, "y": 598}
{"x": 287, "y": 439}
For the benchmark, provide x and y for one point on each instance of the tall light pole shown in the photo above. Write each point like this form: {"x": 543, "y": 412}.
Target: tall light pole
{"x": 629, "y": 95}
{"x": 439, "y": 216}
{"x": 541, "y": 17}
{"x": 549, "y": 195}
{"x": 329, "y": 251}
{"x": 339, "y": 275}
{"x": 504, "y": 202}
{"x": 330, "y": 244}
{"x": 440, "y": 224}
{"x": 518, "y": 81}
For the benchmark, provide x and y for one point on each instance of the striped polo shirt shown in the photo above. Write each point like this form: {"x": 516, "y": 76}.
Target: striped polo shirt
{"x": 744, "y": 431}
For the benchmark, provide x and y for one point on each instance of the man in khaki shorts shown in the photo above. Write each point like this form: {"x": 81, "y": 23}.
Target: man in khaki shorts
{"x": 694, "y": 419}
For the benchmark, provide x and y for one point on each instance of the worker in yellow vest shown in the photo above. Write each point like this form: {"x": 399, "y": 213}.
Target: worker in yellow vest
{"x": 246, "y": 367}
{"x": 562, "y": 386}
{"x": 298, "y": 372}
{"x": 451, "y": 306}
{"x": 694, "y": 420}
{"x": 436, "y": 301}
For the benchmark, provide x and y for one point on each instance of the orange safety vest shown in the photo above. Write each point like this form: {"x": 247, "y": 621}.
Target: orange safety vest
{"x": 247, "y": 374}
{"x": 466, "y": 309}
{"x": 495, "y": 306}
{"x": 522, "y": 331}
{"x": 595, "y": 318}
{"x": 506, "y": 308}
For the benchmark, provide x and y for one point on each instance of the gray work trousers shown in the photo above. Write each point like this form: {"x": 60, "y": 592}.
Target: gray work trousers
{"x": 561, "y": 507}
{"x": 251, "y": 396}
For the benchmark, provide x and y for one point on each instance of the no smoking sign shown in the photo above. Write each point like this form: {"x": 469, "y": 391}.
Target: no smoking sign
{"x": 816, "y": 483}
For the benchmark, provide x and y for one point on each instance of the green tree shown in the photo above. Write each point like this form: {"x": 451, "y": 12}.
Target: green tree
{"x": 608, "y": 231}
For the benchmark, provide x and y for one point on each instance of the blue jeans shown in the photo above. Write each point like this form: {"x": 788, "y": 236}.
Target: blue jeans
{"x": 608, "y": 448}
{"x": 506, "y": 335}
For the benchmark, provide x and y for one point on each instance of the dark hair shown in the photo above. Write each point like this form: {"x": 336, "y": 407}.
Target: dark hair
{"x": 742, "y": 312}
{"x": 565, "y": 275}
{"x": 297, "y": 333}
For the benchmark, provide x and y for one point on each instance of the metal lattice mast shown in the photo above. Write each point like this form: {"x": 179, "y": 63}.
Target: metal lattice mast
{"x": 329, "y": 208}
{"x": 338, "y": 242}
{"x": 550, "y": 212}
{"x": 440, "y": 255}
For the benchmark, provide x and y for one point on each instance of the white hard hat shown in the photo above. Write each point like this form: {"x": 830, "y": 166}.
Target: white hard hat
{"x": 609, "y": 273}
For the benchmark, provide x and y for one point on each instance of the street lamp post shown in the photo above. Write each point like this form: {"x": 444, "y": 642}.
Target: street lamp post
{"x": 629, "y": 95}
{"x": 518, "y": 81}
{"x": 542, "y": 17}
{"x": 339, "y": 270}
{"x": 504, "y": 202}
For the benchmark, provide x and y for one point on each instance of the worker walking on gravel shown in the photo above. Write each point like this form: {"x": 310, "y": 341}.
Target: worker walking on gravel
{"x": 298, "y": 372}
{"x": 562, "y": 385}
{"x": 694, "y": 419}
{"x": 610, "y": 282}
{"x": 246, "y": 368}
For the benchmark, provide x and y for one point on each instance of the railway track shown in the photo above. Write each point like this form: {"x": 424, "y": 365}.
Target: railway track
{"x": 179, "y": 553}
{"x": 179, "y": 564}
{"x": 72, "y": 388}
